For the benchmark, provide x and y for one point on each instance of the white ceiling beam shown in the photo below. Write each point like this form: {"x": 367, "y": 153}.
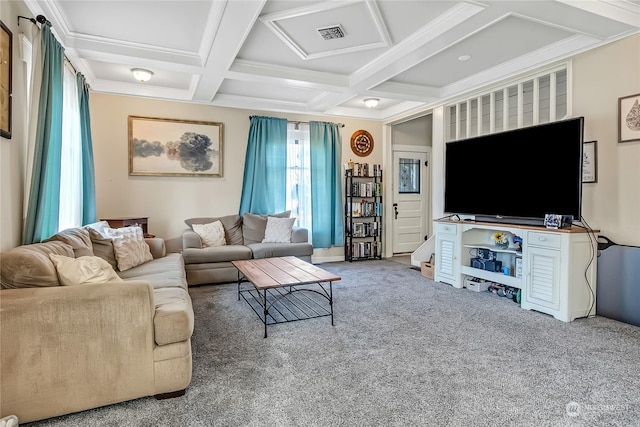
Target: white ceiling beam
{"x": 286, "y": 76}
{"x": 237, "y": 21}
{"x": 406, "y": 91}
{"x": 625, "y": 11}
{"x": 410, "y": 51}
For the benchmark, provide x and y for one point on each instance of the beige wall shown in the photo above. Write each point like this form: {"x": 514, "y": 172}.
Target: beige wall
{"x": 601, "y": 77}
{"x": 12, "y": 150}
{"x": 417, "y": 132}
{"x": 168, "y": 201}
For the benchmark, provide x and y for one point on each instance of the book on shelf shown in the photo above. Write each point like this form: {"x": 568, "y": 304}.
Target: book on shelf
{"x": 365, "y": 250}
{"x": 365, "y": 189}
{"x": 364, "y": 208}
{"x": 365, "y": 170}
{"x": 364, "y": 229}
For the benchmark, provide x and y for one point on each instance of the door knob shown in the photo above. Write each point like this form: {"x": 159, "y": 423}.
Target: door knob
{"x": 395, "y": 208}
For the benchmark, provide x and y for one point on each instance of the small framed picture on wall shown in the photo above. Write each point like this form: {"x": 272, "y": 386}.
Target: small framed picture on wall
{"x": 629, "y": 118}
{"x": 590, "y": 162}
{"x": 5, "y": 80}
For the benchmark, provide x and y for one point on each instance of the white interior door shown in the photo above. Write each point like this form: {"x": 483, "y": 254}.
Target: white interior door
{"x": 410, "y": 192}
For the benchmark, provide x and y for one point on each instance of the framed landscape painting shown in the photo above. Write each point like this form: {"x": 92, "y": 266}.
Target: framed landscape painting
{"x": 173, "y": 147}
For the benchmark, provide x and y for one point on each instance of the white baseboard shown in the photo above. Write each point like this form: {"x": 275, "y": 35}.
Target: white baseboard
{"x": 323, "y": 259}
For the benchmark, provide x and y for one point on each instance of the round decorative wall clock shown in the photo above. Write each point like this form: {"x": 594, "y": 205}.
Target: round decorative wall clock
{"x": 361, "y": 143}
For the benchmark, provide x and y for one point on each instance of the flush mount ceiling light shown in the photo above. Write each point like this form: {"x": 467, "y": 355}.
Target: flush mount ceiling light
{"x": 141, "y": 74}
{"x": 371, "y": 102}
{"x": 464, "y": 57}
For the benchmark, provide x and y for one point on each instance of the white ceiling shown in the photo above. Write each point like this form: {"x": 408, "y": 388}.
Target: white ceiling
{"x": 268, "y": 55}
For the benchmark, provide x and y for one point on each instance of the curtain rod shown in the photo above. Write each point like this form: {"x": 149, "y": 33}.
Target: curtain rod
{"x": 300, "y": 121}
{"x": 41, "y": 19}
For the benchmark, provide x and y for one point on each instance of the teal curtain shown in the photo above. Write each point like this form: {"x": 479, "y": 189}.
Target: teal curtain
{"x": 326, "y": 185}
{"x": 43, "y": 206}
{"x": 88, "y": 171}
{"x": 265, "y": 167}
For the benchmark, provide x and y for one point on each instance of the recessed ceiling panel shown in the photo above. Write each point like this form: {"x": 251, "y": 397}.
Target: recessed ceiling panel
{"x": 122, "y": 73}
{"x": 264, "y": 46}
{"x": 507, "y": 39}
{"x": 403, "y": 18}
{"x": 259, "y": 90}
{"x": 357, "y": 20}
{"x": 169, "y": 24}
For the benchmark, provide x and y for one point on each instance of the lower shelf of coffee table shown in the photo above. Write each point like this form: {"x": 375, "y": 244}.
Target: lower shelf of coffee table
{"x": 289, "y": 304}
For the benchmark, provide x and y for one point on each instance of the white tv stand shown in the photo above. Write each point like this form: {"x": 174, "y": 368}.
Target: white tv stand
{"x": 558, "y": 266}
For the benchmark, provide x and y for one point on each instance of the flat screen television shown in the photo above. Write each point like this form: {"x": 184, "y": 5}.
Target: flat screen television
{"x": 517, "y": 176}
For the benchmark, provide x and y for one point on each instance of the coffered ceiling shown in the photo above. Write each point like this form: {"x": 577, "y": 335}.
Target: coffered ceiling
{"x": 270, "y": 55}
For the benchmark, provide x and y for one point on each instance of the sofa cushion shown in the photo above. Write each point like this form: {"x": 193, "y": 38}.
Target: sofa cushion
{"x": 164, "y": 272}
{"x": 129, "y": 246}
{"x": 77, "y": 238}
{"x": 211, "y": 234}
{"x": 173, "y": 319}
{"x": 232, "y": 227}
{"x": 268, "y": 250}
{"x": 83, "y": 270}
{"x": 29, "y": 266}
{"x": 217, "y": 254}
{"x": 253, "y": 226}
{"x": 103, "y": 247}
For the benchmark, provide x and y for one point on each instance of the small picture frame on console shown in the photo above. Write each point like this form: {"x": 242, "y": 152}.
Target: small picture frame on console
{"x": 553, "y": 221}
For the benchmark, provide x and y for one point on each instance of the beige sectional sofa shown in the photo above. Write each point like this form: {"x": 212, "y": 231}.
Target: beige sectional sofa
{"x": 243, "y": 240}
{"x": 71, "y": 348}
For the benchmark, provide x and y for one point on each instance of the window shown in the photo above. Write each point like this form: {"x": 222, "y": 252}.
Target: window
{"x": 71, "y": 156}
{"x": 409, "y": 176}
{"x": 299, "y": 174}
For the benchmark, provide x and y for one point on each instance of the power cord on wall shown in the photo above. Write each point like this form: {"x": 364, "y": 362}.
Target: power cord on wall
{"x": 594, "y": 244}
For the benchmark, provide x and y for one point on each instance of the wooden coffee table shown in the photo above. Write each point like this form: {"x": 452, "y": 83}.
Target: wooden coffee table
{"x": 285, "y": 289}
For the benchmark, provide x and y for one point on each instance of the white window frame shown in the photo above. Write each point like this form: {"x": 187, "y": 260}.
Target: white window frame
{"x": 521, "y": 104}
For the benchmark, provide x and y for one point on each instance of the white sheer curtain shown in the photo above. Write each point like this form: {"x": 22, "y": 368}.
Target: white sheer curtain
{"x": 71, "y": 161}
{"x": 299, "y": 174}
{"x": 32, "y": 57}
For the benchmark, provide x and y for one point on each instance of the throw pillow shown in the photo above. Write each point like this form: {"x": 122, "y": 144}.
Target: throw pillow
{"x": 254, "y": 226}
{"x": 129, "y": 246}
{"x": 100, "y": 227}
{"x": 77, "y": 238}
{"x": 278, "y": 230}
{"x": 103, "y": 247}
{"x": 211, "y": 234}
{"x": 232, "y": 227}
{"x": 83, "y": 270}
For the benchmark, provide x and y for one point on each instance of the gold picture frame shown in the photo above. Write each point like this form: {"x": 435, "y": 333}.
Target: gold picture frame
{"x": 174, "y": 147}
{"x": 6, "y": 59}
{"x": 629, "y": 118}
